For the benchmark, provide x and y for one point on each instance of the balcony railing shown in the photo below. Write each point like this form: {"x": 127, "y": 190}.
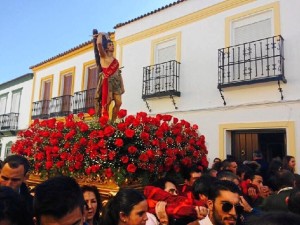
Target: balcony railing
{"x": 252, "y": 62}
{"x": 83, "y": 100}
{"x": 9, "y": 121}
{"x": 40, "y": 109}
{"x": 161, "y": 80}
{"x": 61, "y": 106}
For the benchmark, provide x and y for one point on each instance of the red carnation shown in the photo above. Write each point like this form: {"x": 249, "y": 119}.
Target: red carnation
{"x": 95, "y": 168}
{"x": 175, "y": 120}
{"x": 111, "y": 155}
{"x": 80, "y": 115}
{"x": 169, "y": 161}
{"x": 150, "y": 153}
{"x": 91, "y": 111}
{"x": 145, "y": 136}
{"x": 103, "y": 120}
{"x": 109, "y": 131}
{"x": 129, "y": 133}
{"x": 88, "y": 170}
{"x": 166, "y": 117}
{"x": 60, "y": 164}
{"x": 124, "y": 159}
{"x": 60, "y": 125}
{"x": 109, "y": 173}
{"x": 83, "y": 141}
{"x": 101, "y": 143}
{"x": 186, "y": 161}
{"x": 77, "y": 165}
{"x": 131, "y": 168}
{"x": 121, "y": 126}
{"x": 49, "y": 165}
{"x": 122, "y": 113}
{"x": 83, "y": 126}
{"x": 144, "y": 157}
{"x": 119, "y": 142}
{"x": 132, "y": 149}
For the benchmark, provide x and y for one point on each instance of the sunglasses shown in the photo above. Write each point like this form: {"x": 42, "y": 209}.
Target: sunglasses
{"x": 227, "y": 206}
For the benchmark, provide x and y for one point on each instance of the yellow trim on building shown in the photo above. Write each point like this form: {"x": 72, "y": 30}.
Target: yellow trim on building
{"x": 182, "y": 21}
{"x": 272, "y": 6}
{"x": 50, "y": 77}
{"x": 289, "y": 126}
{"x": 65, "y": 57}
{"x": 32, "y": 97}
{"x": 65, "y": 72}
{"x": 154, "y": 43}
{"x": 84, "y": 68}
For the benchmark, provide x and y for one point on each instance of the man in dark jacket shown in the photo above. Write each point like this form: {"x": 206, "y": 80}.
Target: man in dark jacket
{"x": 14, "y": 174}
{"x": 285, "y": 181}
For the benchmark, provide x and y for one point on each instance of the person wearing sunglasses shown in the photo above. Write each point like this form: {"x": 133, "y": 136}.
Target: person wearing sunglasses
{"x": 223, "y": 204}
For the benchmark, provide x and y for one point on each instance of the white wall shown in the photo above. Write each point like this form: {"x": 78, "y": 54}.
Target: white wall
{"x": 24, "y": 110}
{"x": 200, "y": 101}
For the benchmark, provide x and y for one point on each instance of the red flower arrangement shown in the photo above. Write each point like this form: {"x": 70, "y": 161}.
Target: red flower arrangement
{"x": 135, "y": 147}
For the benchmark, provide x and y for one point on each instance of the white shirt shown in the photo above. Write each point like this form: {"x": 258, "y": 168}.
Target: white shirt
{"x": 151, "y": 219}
{"x": 205, "y": 221}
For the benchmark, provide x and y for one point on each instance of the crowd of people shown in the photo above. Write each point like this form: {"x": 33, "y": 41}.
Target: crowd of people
{"x": 228, "y": 193}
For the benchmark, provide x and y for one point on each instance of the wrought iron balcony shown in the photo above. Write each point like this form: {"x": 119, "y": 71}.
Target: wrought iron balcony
{"x": 252, "y": 62}
{"x": 9, "y": 122}
{"x": 61, "y": 106}
{"x": 40, "y": 109}
{"x": 83, "y": 100}
{"x": 161, "y": 80}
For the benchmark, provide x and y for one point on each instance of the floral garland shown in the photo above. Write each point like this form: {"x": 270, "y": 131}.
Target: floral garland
{"x": 137, "y": 147}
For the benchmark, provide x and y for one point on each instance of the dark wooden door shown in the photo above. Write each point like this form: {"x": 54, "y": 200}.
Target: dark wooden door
{"x": 67, "y": 91}
{"x": 46, "y": 97}
{"x": 243, "y": 145}
{"x": 272, "y": 143}
{"x": 92, "y": 82}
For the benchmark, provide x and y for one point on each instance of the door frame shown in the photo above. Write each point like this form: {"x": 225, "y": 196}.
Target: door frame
{"x": 225, "y": 134}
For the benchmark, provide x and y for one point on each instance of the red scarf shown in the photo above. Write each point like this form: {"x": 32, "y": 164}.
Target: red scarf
{"x": 110, "y": 70}
{"x": 177, "y": 206}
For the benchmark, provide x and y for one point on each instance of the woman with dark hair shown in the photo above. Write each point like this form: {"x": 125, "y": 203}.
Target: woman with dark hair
{"x": 274, "y": 167}
{"x": 128, "y": 207}
{"x": 93, "y": 203}
{"x": 289, "y": 163}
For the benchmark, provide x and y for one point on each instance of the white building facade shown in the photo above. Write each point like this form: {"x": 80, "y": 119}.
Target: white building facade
{"x": 228, "y": 66}
{"x": 238, "y": 77}
{"x": 15, "y": 97}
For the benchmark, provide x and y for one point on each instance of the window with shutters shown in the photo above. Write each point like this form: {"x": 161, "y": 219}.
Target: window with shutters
{"x": 15, "y": 101}
{"x": 62, "y": 105}
{"x": 161, "y": 78}
{"x": 84, "y": 99}
{"x": 41, "y": 108}
{"x": 46, "y": 97}
{"x": 66, "y": 97}
{"x": 165, "y": 51}
{"x": 3, "y": 102}
{"x": 252, "y": 28}
{"x": 253, "y": 51}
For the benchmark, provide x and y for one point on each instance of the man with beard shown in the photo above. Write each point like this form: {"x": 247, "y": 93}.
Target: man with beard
{"x": 223, "y": 204}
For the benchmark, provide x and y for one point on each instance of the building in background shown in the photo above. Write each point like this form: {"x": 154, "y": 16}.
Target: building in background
{"x": 15, "y": 97}
{"x": 228, "y": 66}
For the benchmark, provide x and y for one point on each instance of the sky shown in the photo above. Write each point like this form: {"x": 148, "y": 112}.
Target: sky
{"x": 32, "y": 31}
